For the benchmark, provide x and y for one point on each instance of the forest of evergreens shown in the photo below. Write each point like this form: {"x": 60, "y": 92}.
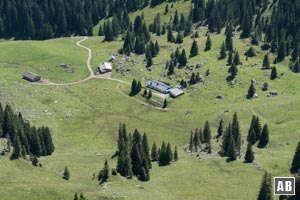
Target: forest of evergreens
{"x": 26, "y": 139}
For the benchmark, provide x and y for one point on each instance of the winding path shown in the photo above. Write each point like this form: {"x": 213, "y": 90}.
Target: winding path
{"x": 93, "y": 76}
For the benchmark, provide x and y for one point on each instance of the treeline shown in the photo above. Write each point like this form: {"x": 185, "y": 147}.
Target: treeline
{"x": 133, "y": 155}
{"x": 34, "y": 19}
{"x": 26, "y": 139}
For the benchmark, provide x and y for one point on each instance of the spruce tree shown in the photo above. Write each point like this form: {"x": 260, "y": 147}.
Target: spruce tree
{"x": 17, "y": 149}
{"x": 194, "y": 49}
{"x": 196, "y": 140}
{"x": 296, "y": 161}
{"x": 231, "y": 153}
{"x": 236, "y": 58}
{"x": 220, "y": 129}
{"x": 191, "y": 144}
{"x": 104, "y": 173}
{"x": 154, "y": 152}
{"x": 208, "y": 43}
{"x": 175, "y": 154}
{"x": 222, "y": 51}
{"x": 249, "y": 156}
{"x": 266, "y": 62}
{"x": 165, "y": 104}
{"x": 251, "y": 91}
{"x": 148, "y": 56}
{"x": 149, "y": 95}
{"x": 169, "y": 155}
{"x": 133, "y": 87}
{"x": 230, "y": 58}
{"x": 146, "y": 150}
{"x": 233, "y": 70}
{"x": 265, "y": 192}
{"x": 273, "y": 73}
{"x": 281, "y": 51}
{"x": 252, "y": 136}
{"x": 179, "y": 38}
{"x": 66, "y": 174}
{"x": 182, "y": 58}
{"x": 207, "y": 133}
{"x": 264, "y": 137}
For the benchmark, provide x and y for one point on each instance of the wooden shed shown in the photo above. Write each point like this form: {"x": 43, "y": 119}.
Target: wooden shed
{"x": 32, "y": 77}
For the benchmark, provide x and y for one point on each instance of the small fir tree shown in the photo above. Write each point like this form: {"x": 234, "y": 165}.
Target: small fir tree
{"x": 273, "y": 73}
{"x": 66, "y": 174}
{"x": 249, "y": 156}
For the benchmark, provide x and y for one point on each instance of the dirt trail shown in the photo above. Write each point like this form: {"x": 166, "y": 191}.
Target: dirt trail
{"x": 93, "y": 76}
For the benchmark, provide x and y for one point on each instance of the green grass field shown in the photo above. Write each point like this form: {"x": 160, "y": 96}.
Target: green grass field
{"x": 96, "y": 107}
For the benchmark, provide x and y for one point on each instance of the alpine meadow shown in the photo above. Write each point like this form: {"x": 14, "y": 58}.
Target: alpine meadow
{"x": 149, "y": 99}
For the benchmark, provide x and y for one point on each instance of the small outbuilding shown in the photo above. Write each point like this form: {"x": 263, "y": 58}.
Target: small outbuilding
{"x": 105, "y": 67}
{"x": 32, "y": 77}
{"x": 175, "y": 92}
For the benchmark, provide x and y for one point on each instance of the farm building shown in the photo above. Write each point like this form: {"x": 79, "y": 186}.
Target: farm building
{"x": 175, "y": 92}
{"x": 32, "y": 77}
{"x": 105, "y": 67}
{"x": 158, "y": 86}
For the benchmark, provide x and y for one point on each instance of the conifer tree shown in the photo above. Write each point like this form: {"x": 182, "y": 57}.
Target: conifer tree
{"x": 252, "y": 136}
{"x": 104, "y": 173}
{"x": 182, "y": 58}
{"x": 296, "y": 161}
{"x": 207, "y": 133}
{"x": 175, "y": 154}
{"x": 265, "y": 192}
{"x": 148, "y": 56}
{"x": 222, "y": 51}
{"x": 273, "y": 73}
{"x": 196, "y": 140}
{"x": 264, "y": 137}
{"x": 194, "y": 49}
{"x": 208, "y": 43}
{"x": 249, "y": 156}
{"x": 236, "y": 58}
{"x": 66, "y": 174}
{"x": 233, "y": 70}
{"x": 220, "y": 128}
{"x": 154, "y": 152}
{"x": 149, "y": 95}
{"x": 266, "y": 62}
{"x": 165, "y": 104}
{"x": 179, "y": 38}
{"x": 281, "y": 51}
{"x": 235, "y": 128}
{"x": 230, "y": 58}
{"x": 146, "y": 151}
{"x": 17, "y": 149}
{"x": 231, "y": 153}
{"x": 251, "y": 91}
{"x": 191, "y": 144}
{"x": 169, "y": 155}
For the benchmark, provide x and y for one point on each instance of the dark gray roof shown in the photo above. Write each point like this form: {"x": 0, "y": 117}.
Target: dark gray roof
{"x": 157, "y": 85}
{"x": 31, "y": 76}
{"x": 175, "y": 92}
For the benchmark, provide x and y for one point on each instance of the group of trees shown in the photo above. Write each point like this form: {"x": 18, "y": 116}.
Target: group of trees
{"x": 133, "y": 155}
{"x": 232, "y": 142}
{"x": 195, "y": 78}
{"x": 134, "y": 158}
{"x": 152, "y": 50}
{"x": 258, "y": 134}
{"x": 164, "y": 154}
{"x": 26, "y": 139}
{"x": 136, "y": 87}
{"x": 33, "y": 19}
{"x": 200, "y": 137}
{"x": 136, "y": 38}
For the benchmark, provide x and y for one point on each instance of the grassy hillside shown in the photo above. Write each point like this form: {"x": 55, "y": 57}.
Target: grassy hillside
{"x": 89, "y": 136}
